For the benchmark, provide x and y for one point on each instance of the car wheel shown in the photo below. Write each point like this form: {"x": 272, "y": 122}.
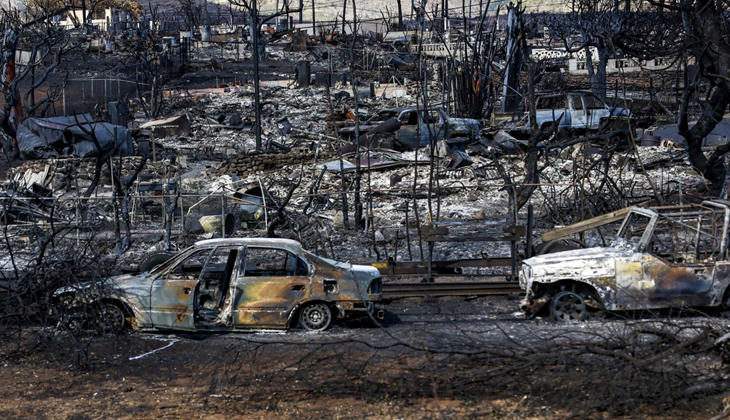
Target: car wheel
{"x": 110, "y": 318}
{"x": 568, "y": 307}
{"x": 315, "y": 317}
{"x": 153, "y": 260}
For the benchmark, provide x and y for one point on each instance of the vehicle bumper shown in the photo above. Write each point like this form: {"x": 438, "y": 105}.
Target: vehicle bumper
{"x": 360, "y": 308}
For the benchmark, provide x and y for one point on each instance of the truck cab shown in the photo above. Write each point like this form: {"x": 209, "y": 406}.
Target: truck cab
{"x": 575, "y": 111}
{"x": 662, "y": 257}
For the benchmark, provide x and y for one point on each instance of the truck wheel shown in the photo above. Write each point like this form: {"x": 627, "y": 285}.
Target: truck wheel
{"x": 315, "y": 317}
{"x": 567, "y": 307}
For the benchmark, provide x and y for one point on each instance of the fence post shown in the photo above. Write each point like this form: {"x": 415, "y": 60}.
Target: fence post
{"x": 183, "y": 230}
{"x": 530, "y": 227}
{"x": 223, "y": 217}
{"x": 78, "y": 225}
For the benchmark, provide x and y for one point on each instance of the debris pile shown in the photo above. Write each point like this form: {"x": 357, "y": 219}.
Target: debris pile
{"x": 67, "y": 174}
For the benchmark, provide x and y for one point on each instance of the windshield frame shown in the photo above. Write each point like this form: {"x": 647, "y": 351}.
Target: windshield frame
{"x": 648, "y": 230}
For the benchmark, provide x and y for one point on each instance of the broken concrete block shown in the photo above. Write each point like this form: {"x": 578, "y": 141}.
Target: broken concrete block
{"x": 460, "y": 160}
{"x": 382, "y": 235}
{"x": 294, "y": 175}
{"x": 442, "y": 149}
{"x": 235, "y": 120}
{"x": 395, "y": 179}
{"x": 339, "y": 221}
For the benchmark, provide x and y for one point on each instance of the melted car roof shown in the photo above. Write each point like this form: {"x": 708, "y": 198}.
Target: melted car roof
{"x": 248, "y": 241}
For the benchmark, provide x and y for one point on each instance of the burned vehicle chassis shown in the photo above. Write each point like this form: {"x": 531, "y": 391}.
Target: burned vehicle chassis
{"x": 228, "y": 285}
{"x": 662, "y": 257}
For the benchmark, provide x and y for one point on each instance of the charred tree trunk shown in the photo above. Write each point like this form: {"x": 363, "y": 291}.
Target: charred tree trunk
{"x": 707, "y": 38}
{"x": 712, "y": 168}
{"x": 598, "y": 81}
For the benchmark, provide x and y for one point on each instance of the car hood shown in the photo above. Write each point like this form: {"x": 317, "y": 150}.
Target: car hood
{"x": 572, "y": 255}
{"x": 105, "y": 286}
{"x": 575, "y": 264}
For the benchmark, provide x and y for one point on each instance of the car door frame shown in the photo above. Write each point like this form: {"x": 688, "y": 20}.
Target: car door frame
{"x": 578, "y": 117}
{"x": 595, "y": 115}
{"x": 180, "y": 315}
{"x": 270, "y": 316}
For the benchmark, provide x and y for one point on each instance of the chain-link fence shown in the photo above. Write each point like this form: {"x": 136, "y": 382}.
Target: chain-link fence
{"x": 217, "y": 214}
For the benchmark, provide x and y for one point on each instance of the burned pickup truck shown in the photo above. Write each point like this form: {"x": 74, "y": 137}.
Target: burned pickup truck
{"x": 227, "y": 285}
{"x": 574, "y": 111}
{"x": 665, "y": 257}
{"x": 411, "y": 128}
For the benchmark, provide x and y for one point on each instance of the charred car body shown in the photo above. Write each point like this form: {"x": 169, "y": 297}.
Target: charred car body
{"x": 413, "y": 128}
{"x": 229, "y": 285}
{"x": 662, "y": 257}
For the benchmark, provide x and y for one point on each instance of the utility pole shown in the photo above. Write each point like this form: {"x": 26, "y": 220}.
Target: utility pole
{"x": 512, "y": 63}
{"x": 344, "y": 13}
{"x": 301, "y": 10}
{"x": 257, "y": 93}
{"x": 286, "y": 5}
{"x": 444, "y": 15}
{"x": 314, "y": 23}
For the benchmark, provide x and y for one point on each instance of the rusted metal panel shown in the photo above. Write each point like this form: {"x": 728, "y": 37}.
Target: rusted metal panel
{"x": 400, "y": 290}
{"x": 472, "y": 238}
{"x": 446, "y": 267}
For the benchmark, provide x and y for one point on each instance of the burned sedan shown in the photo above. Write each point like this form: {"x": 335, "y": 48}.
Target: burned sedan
{"x": 662, "y": 257}
{"x": 230, "y": 285}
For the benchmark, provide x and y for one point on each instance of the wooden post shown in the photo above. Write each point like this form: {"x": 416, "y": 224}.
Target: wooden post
{"x": 223, "y": 217}
{"x": 530, "y": 226}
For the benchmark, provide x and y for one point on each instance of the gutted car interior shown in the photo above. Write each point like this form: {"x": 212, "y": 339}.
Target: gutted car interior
{"x": 214, "y": 268}
{"x": 271, "y": 262}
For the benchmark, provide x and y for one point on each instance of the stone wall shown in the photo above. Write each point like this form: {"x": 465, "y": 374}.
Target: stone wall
{"x": 245, "y": 165}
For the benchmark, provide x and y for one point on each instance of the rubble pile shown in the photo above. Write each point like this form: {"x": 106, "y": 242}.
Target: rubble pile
{"x": 62, "y": 174}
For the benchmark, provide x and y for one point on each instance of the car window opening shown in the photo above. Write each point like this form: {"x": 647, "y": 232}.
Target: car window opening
{"x": 269, "y": 262}
{"x": 215, "y": 284}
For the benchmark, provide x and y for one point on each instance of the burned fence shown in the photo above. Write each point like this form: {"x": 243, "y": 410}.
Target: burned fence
{"x": 151, "y": 213}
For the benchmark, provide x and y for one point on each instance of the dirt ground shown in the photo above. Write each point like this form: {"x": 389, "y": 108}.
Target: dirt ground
{"x": 428, "y": 359}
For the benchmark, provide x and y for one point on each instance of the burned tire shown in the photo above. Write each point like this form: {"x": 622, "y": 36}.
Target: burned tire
{"x": 153, "y": 260}
{"x": 315, "y": 317}
{"x": 110, "y": 318}
{"x": 567, "y": 307}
